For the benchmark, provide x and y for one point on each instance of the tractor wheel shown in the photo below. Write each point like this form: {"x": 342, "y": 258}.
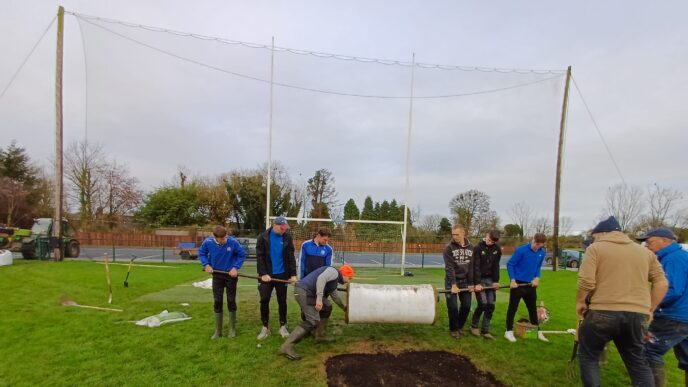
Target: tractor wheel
{"x": 73, "y": 249}
{"x": 185, "y": 255}
{"x": 28, "y": 252}
{"x": 573, "y": 264}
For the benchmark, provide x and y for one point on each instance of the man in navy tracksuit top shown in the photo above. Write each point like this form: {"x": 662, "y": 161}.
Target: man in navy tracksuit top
{"x": 311, "y": 292}
{"x": 220, "y": 252}
{"x": 524, "y": 267}
{"x": 486, "y": 257}
{"x": 315, "y": 252}
{"x": 458, "y": 268}
{"x": 669, "y": 327}
{"x": 275, "y": 259}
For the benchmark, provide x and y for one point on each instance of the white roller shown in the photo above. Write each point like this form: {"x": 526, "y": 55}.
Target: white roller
{"x": 407, "y": 304}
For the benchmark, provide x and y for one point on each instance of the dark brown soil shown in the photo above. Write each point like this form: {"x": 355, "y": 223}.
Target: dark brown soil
{"x": 428, "y": 368}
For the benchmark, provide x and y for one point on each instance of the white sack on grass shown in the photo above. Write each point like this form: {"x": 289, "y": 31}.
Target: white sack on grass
{"x": 163, "y": 318}
{"x": 207, "y": 284}
{"x": 5, "y": 257}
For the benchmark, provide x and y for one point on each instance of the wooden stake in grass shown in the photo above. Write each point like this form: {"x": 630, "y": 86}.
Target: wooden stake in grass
{"x": 107, "y": 276}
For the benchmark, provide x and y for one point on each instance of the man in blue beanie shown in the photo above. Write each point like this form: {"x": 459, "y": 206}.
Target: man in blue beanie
{"x": 615, "y": 301}
{"x": 669, "y": 327}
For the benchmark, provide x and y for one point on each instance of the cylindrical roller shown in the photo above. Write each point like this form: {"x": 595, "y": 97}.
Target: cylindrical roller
{"x": 406, "y": 304}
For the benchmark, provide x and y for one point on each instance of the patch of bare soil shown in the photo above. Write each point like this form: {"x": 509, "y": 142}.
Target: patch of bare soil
{"x": 426, "y": 368}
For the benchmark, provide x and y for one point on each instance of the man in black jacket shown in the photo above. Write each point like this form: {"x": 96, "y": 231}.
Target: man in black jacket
{"x": 275, "y": 259}
{"x": 486, "y": 257}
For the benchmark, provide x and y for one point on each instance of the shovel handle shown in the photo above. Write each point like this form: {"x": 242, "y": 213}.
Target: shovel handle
{"x": 253, "y": 277}
{"x": 485, "y": 288}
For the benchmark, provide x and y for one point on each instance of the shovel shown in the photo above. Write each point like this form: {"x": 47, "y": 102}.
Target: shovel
{"x": 68, "y": 302}
{"x": 131, "y": 263}
{"x": 571, "y": 368}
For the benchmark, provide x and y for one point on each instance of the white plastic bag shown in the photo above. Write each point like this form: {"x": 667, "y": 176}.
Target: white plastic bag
{"x": 163, "y": 318}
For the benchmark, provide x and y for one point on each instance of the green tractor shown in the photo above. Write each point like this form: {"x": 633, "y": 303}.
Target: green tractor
{"x": 11, "y": 238}
{"x": 42, "y": 240}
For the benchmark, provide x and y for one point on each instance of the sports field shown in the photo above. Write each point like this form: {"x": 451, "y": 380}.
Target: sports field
{"x": 45, "y": 343}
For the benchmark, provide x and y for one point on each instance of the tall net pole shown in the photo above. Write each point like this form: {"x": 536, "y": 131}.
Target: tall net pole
{"x": 408, "y": 167}
{"x": 560, "y": 157}
{"x": 272, "y": 80}
{"x": 57, "y": 222}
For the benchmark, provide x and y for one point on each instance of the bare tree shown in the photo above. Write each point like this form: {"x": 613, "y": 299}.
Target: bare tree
{"x": 543, "y": 224}
{"x": 522, "y": 215}
{"x": 662, "y": 203}
{"x": 468, "y": 206}
{"x": 322, "y": 193}
{"x": 120, "y": 194}
{"x": 183, "y": 173}
{"x": 12, "y": 198}
{"x": 84, "y": 166}
{"x": 414, "y": 215}
{"x": 565, "y": 225}
{"x": 485, "y": 222}
{"x": 430, "y": 223}
{"x": 625, "y": 204}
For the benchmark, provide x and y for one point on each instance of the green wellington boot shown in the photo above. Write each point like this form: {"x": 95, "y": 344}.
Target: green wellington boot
{"x": 320, "y": 333}
{"x": 218, "y": 327}
{"x": 232, "y": 324}
{"x": 287, "y": 349}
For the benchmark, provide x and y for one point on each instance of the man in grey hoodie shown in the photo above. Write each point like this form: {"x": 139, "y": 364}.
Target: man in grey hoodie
{"x": 458, "y": 266}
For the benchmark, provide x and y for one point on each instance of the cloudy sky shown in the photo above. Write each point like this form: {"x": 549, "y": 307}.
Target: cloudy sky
{"x": 156, "y": 101}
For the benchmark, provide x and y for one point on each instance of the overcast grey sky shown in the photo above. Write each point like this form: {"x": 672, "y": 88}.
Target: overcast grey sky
{"x": 154, "y": 113}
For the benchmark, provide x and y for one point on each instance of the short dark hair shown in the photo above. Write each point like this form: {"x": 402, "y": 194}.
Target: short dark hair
{"x": 219, "y": 232}
{"x": 324, "y": 231}
{"x": 494, "y": 235}
{"x": 540, "y": 237}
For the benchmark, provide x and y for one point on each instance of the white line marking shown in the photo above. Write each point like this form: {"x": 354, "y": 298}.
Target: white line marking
{"x": 379, "y": 263}
{"x": 126, "y": 264}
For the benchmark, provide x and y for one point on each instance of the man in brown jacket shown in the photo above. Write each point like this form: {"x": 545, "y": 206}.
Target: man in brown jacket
{"x": 614, "y": 298}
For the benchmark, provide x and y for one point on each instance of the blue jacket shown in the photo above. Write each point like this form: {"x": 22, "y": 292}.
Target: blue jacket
{"x": 221, "y": 257}
{"x": 674, "y": 261}
{"x": 524, "y": 264}
{"x": 314, "y": 256}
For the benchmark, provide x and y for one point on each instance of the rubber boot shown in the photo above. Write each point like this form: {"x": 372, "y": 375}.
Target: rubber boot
{"x": 232, "y": 324}
{"x": 287, "y": 349}
{"x": 659, "y": 374}
{"x": 320, "y": 333}
{"x": 218, "y": 326}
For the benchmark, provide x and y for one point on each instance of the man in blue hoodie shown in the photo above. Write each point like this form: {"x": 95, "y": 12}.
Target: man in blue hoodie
{"x": 669, "y": 328}
{"x": 524, "y": 271}
{"x": 220, "y": 252}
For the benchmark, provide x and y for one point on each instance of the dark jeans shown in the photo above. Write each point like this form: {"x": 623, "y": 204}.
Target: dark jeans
{"x": 529, "y": 296}
{"x": 627, "y": 330}
{"x": 265, "y": 290}
{"x": 486, "y": 303}
{"x": 458, "y": 316}
{"x": 663, "y": 335}
{"x": 221, "y": 282}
